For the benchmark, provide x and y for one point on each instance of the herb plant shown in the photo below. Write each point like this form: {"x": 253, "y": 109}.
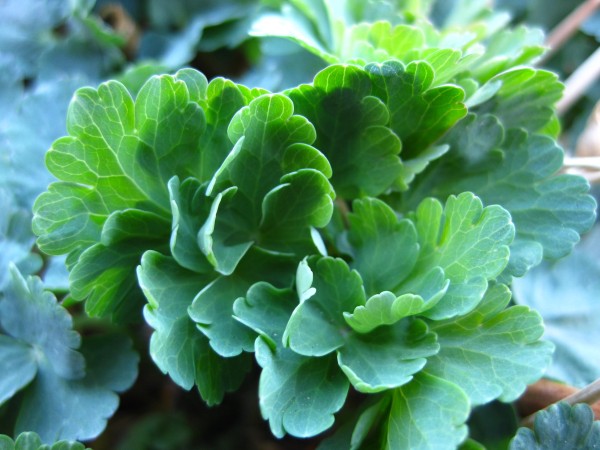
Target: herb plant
{"x": 358, "y": 232}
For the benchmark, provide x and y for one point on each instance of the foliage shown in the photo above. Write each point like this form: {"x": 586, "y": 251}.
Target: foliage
{"x": 31, "y": 441}
{"x": 359, "y": 230}
{"x": 561, "y": 426}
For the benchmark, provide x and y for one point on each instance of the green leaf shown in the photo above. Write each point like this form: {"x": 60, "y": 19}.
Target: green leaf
{"x": 31, "y": 441}
{"x": 419, "y": 113}
{"x": 114, "y": 170}
{"x": 298, "y": 394}
{"x": 385, "y": 249}
{"x": 466, "y": 240}
{"x": 525, "y": 99}
{"x": 561, "y": 426}
{"x": 269, "y": 141}
{"x": 364, "y": 157}
{"x": 189, "y": 208}
{"x": 382, "y": 359}
{"x": 317, "y": 326}
{"x": 387, "y": 357}
{"x": 54, "y": 406}
{"x": 492, "y": 352}
{"x": 177, "y": 347}
{"x": 428, "y": 412}
{"x": 212, "y": 306}
{"x": 549, "y": 211}
{"x": 31, "y": 315}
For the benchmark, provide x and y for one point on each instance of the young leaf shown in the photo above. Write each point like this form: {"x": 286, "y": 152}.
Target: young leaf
{"x": 385, "y": 249}
{"x": 419, "y": 113}
{"x": 549, "y": 211}
{"x": 525, "y": 99}
{"x": 429, "y": 412}
{"x": 469, "y": 242}
{"x": 212, "y": 306}
{"x": 364, "y": 156}
{"x": 561, "y": 426}
{"x": 384, "y": 358}
{"x": 492, "y": 352}
{"x": 177, "y": 347}
{"x": 265, "y": 132}
{"x": 114, "y": 169}
{"x": 298, "y": 394}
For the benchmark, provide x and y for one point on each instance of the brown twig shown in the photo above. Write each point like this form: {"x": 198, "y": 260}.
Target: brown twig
{"x": 565, "y": 29}
{"x": 579, "y": 81}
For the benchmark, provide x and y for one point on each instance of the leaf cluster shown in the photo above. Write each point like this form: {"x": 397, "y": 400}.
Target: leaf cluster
{"x": 358, "y": 231}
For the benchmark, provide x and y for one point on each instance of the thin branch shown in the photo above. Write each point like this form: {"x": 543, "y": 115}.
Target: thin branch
{"x": 564, "y": 30}
{"x": 580, "y": 81}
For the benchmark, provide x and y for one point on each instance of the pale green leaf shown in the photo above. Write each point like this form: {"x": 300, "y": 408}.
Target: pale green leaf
{"x": 298, "y": 394}
{"x": 18, "y": 366}
{"x": 317, "y": 326}
{"x": 387, "y": 357}
{"x": 177, "y": 347}
{"x": 492, "y": 352}
{"x": 419, "y": 113}
{"x": 31, "y": 441}
{"x": 31, "y": 316}
{"x": 53, "y": 407}
{"x": 560, "y": 427}
{"x": 469, "y": 242}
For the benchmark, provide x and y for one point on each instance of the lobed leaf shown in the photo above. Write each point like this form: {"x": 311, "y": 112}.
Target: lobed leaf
{"x": 561, "y": 426}
{"x": 177, "y": 347}
{"x": 492, "y": 352}
{"x": 298, "y": 394}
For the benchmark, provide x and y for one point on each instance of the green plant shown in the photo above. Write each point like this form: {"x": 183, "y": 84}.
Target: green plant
{"x": 357, "y": 232}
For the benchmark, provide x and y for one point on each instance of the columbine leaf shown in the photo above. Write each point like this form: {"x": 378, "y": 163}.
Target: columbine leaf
{"x": 469, "y": 242}
{"x": 190, "y": 208}
{"x": 387, "y": 357}
{"x": 31, "y": 441}
{"x": 385, "y": 249}
{"x": 525, "y": 99}
{"x": 419, "y": 114}
{"x": 364, "y": 156}
{"x": 384, "y": 358}
{"x": 429, "y": 412}
{"x": 31, "y": 315}
{"x": 317, "y": 326}
{"x": 53, "y": 406}
{"x": 177, "y": 346}
{"x": 298, "y": 394}
{"x": 549, "y": 211}
{"x": 271, "y": 207}
{"x": 561, "y": 426}
{"x": 492, "y": 352}
{"x": 212, "y": 307}
{"x": 68, "y": 382}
